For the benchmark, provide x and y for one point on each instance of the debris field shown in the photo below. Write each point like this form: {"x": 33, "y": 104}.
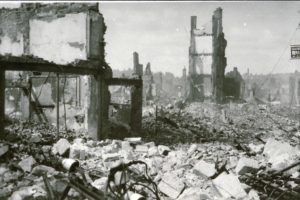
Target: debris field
{"x": 197, "y": 151}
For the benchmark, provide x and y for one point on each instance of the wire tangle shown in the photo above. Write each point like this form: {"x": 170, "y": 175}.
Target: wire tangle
{"x": 131, "y": 180}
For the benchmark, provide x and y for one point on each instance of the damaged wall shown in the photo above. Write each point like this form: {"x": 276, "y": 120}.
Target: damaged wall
{"x": 57, "y": 32}
{"x": 234, "y": 84}
{"x": 219, "y": 60}
{"x": 202, "y": 55}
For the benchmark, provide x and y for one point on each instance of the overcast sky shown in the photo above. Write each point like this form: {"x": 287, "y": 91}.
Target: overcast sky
{"x": 256, "y": 32}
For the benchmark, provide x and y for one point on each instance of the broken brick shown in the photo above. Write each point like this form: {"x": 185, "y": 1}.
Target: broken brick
{"x": 171, "y": 186}
{"x": 228, "y": 186}
{"x": 246, "y": 165}
{"x": 204, "y": 169}
{"x": 27, "y": 163}
{"x": 61, "y": 147}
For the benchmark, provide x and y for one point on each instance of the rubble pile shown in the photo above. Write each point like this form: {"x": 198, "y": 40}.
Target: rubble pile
{"x": 263, "y": 164}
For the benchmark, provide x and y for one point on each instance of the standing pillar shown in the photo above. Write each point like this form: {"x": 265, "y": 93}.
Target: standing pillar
{"x": 57, "y": 103}
{"x": 192, "y": 49}
{"x": 218, "y": 58}
{"x": 2, "y": 103}
{"x": 98, "y": 108}
{"x": 136, "y": 108}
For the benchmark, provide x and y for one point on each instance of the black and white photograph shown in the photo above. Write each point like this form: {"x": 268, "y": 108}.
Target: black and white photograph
{"x": 142, "y": 100}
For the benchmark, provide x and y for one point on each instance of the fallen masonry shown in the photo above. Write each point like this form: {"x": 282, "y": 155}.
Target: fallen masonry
{"x": 215, "y": 169}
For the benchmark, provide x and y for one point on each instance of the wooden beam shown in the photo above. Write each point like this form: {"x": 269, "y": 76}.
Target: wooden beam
{"x": 48, "y": 67}
{"x": 2, "y": 103}
{"x": 124, "y": 81}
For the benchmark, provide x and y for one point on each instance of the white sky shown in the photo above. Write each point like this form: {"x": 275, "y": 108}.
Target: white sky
{"x": 257, "y": 33}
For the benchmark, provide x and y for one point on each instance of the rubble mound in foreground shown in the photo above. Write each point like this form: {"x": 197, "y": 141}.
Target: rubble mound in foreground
{"x": 258, "y": 166}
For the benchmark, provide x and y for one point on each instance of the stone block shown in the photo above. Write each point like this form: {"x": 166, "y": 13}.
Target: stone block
{"x": 41, "y": 169}
{"x": 228, "y": 185}
{"x": 126, "y": 146}
{"x": 134, "y": 140}
{"x": 246, "y": 165}
{"x": 36, "y": 138}
{"x": 61, "y": 147}
{"x": 281, "y": 154}
{"x": 141, "y": 148}
{"x": 153, "y": 151}
{"x": 3, "y": 149}
{"x": 100, "y": 183}
{"x": 78, "y": 151}
{"x": 27, "y": 163}
{"x": 150, "y": 144}
{"x": 171, "y": 186}
{"x": 108, "y": 157}
{"x": 204, "y": 169}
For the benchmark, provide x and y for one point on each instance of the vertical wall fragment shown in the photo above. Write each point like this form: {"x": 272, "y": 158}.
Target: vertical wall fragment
{"x": 148, "y": 83}
{"x": 2, "y": 103}
{"x": 195, "y": 89}
{"x": 192, "y": 48}
{"x": 219, "y": 60}
{"x": 137, "y": 67}
{"x": 136, "y": 96}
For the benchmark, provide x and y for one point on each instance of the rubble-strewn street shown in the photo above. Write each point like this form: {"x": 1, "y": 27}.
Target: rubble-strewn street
{"x": 149, "y": 100}
{"x": 244, "y": 163}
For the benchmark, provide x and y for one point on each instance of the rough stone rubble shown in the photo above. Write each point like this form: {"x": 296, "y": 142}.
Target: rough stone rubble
{"x": 186, "y": 160}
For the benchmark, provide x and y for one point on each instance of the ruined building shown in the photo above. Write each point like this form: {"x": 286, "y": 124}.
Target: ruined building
{"x": 218, "y": 56}
{"x": 149, "y": 86}
{"x": 234, "y": 84}
{"x": 203, "y": 83}
{"x": 53, "y": 67}
{"x": 184, "y": 83}
{"x": 137, "y": 67}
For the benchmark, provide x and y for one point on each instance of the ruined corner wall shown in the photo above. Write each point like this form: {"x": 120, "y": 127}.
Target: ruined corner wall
{"x": 219, "y": 60}
{"x": 58, "y": 32}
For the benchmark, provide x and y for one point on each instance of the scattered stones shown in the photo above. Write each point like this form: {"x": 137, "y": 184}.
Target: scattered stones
{"x": 256, "y": 148}
{"x": 192, "y": 149}
{"x": 78, "y": 151}
{"x": 182, "y": 173}
{"x": 281, "y": 154}
{"x": 27, "y": 192}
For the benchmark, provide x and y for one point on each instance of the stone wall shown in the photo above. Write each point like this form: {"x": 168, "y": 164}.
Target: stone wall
{"x": 61, "y": 33}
